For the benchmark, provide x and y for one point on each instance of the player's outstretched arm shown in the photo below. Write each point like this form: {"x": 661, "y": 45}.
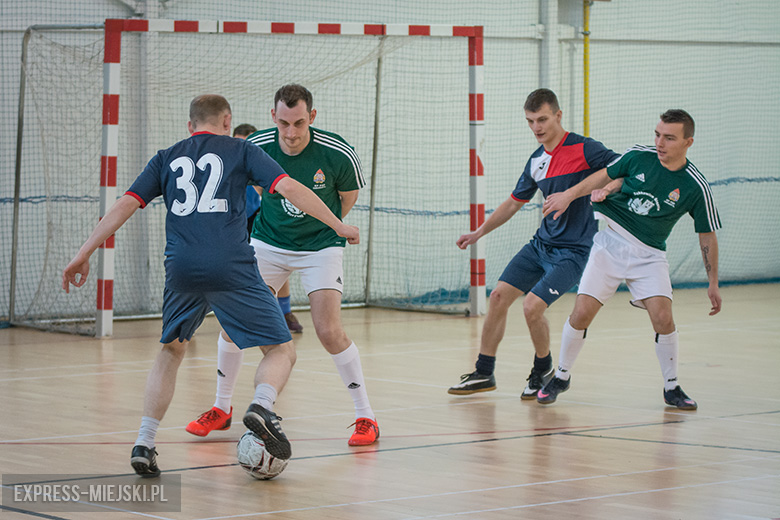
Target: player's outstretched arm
{"x": 557, "y": 203}
{"x": 502, "y": 214}
{"x": 305, "y": 200}
{"x": 77, "y": 270}
{"x": 709, "y": 253}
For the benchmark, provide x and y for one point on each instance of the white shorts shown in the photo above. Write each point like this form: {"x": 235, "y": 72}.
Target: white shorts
{"x": 613, "y": 259}
{"x": 321, "y": 269}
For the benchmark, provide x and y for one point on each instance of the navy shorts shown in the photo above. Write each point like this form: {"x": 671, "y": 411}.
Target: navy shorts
{"x": 250, "y": 316}
{"x": 546, "y": 271}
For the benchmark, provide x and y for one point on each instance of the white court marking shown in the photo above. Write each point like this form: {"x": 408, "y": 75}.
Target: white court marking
{"x": 525, "y": 485}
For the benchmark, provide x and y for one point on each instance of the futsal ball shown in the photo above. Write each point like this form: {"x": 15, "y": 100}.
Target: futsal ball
{"x": 256, "y": 460}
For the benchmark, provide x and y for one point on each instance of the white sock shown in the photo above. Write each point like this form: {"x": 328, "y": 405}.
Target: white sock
{"x": 667, "y": 347}
{"x": 229, "y": 359}
{"x": 147, "y": 432}
{"x": 572, "y": 341}
{"x": 351, "y": 372}
{"x": 265, "y": 396}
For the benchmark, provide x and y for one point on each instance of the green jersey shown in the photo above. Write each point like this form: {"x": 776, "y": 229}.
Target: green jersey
{"x": 652, "y": 198}
{"x": 326, "y": 166}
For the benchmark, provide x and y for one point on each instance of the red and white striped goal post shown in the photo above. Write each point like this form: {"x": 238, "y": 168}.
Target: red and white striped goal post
{"x": 114, "y": 28}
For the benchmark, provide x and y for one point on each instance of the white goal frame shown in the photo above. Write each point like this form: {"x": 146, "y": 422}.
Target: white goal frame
{"x": 114, "y": 29}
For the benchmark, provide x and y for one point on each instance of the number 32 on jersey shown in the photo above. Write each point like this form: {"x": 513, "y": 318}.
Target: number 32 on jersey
{"x": 207, "y": 202}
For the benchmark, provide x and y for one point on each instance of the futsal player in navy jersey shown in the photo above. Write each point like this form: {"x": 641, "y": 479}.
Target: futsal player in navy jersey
{"x": 209, "y": 264}
{"x": 552, "y": 262}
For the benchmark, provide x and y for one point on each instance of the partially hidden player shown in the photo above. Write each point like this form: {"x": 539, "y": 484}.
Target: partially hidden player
{"x": 253, "y": 201}
{"x": 209, "y": 265}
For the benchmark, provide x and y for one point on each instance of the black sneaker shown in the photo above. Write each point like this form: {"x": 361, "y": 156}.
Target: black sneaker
{"x": 265, "y": 424}
{"x": 679, "y": 399}
{"x": 144, "y": 461}
{"x": 292, "y": 323}
{"x": 536, "y": 382}
{"x": 549, "y": 393}
{"x": 473, "y": 383}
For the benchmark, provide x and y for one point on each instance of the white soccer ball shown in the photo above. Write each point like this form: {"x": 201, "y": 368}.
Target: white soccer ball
{"x": 256, "y": 460}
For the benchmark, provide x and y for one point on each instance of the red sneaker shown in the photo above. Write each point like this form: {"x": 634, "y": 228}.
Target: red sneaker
{"x": 366, "y": 432}
{"x": 214, "y": 419}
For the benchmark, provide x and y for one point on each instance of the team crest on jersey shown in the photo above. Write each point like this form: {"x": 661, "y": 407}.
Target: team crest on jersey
{"x": 319, "y": 180}
{"x": 291, "y": 210}
{"x": 673, "y": 197}
{"x": 642, "y": 202}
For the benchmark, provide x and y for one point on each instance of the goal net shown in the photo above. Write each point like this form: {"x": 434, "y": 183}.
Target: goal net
{"x": 401, "y": 100}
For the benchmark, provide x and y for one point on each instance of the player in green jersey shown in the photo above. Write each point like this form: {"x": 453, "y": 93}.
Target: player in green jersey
{"x": 286, "y": 239}
{"x": 659, "y": 186}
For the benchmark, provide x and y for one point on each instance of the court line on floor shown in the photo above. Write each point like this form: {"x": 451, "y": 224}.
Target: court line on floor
{"x": 476, "y": 441}
{"x": 597, "y": 497}
{"x": 498, "y": 488}
{"x": 113, "y": 509}
{"x": 580, "y": 431}
{"x": 37, "y": 442}
{"x": 671, "y": 443}
{"x": 29, "y": 513}
{"x": 505, "y": 397}
{"x": 460, "y": 402}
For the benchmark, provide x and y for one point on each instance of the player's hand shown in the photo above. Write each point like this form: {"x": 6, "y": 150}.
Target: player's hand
{"x": 556, "y": 203}
{"x": 599, "y": 195}
{"x": 714, "y": 295}
{"x": 466, "y": 240}
{"x": 351, "y": 233}
{"x": 75, "y": 273}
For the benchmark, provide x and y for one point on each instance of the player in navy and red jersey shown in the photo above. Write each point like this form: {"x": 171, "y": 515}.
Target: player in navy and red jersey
{"x": 552, "y": 262}
{"x": 209, "y": 264}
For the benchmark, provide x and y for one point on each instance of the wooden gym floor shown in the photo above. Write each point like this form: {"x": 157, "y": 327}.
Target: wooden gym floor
{"x": 608, "y": 448}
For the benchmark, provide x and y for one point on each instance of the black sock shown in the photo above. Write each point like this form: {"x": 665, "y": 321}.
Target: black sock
{"x": 486, "y": 364}
{"x": 543, "y": 364}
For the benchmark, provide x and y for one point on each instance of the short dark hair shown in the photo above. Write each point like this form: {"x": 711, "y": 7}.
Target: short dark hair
{"x": 245, "y": 129}
{"x": 207, "y": 108}
{"x": 292, "y": 94}
{"x": 538, "y": 98}
{"x": 678, "y": 115}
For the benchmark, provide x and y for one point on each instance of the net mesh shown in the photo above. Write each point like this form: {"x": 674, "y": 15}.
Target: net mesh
{"x": 719, "y": 62}
{"x": 419, "y": 189}
{"x": 59, "y": 190}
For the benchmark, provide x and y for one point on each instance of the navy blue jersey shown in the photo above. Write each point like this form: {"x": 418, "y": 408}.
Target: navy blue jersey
{"x": 573, "y": 159}
{"x": 203, "y": 181}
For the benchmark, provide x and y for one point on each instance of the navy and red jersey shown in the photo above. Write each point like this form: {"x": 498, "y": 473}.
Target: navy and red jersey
{"x": 203, "y": 182}
{"x": 571, "y": 161}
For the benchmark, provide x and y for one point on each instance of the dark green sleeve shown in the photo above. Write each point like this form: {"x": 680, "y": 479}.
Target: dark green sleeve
{"x": 621, "y": 167}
